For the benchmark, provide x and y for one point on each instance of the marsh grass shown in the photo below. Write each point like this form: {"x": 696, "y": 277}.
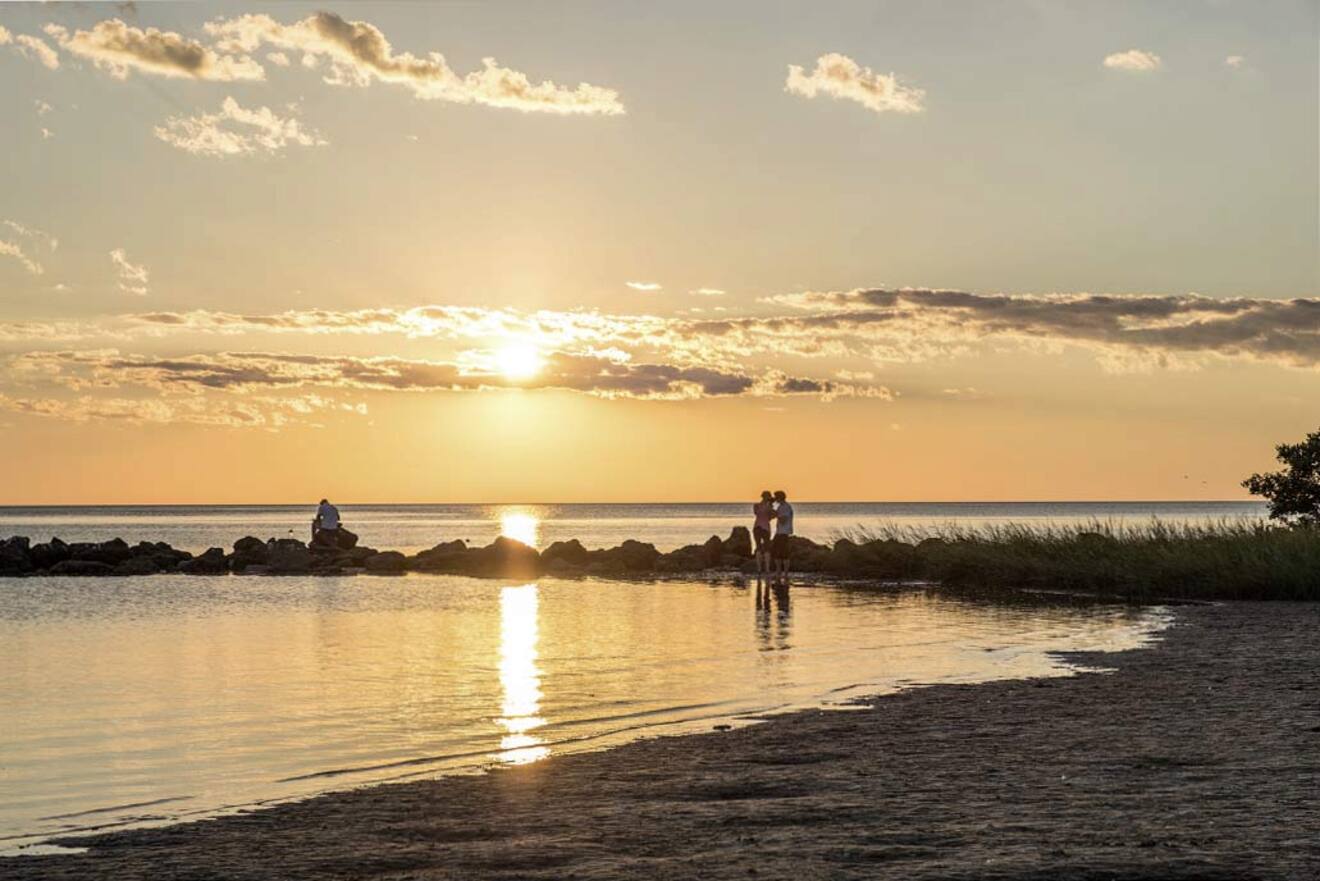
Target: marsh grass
{"x": 1229, "y": 559}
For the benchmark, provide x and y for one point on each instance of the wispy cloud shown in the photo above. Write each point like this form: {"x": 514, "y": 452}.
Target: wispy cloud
{"x": 599, "y": 375}
{"x": 1138, "y": 60}
{"x": 133, "y": 278}
{"x": 643, "y": 285}
{"x": 707, "y": 292}
{"x": 236, "y": 131}
{"x": 1235, "y": 61}
{"x": 838, "y": 76}
{"x": 12, "y": 249}
{"x": 357, "y": 53}
{"x": 36, "y": 49}
{"x": 120, "y": 48}
{"x": 265, "y": 412}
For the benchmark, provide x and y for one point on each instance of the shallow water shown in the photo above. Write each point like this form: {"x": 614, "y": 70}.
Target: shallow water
{"x": 153, "y": 699}
{"x": 414, "y": 527}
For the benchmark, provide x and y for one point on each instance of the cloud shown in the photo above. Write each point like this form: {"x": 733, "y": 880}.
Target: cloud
{"x": 5, "y": 36}
{"x": 842, "y": 78}
{"x": 119, "y": 48}
{"x": 11, "y": 249}
{"x": 243, "y": 372}
{"x": 1134, "y": 59}
{"x": 643, "y": 285}
{"x": 1234, "y": 61}
{"x": 29, "y": 232}
{"x": 132, "y": 278}
{"x": 42, "y": 107}
{"x": 267, "y": 412}
{"x": 357, "y": 53}
{"x": 279, "y": 59}
{"x": 36, "y": 49}
{"x": 707, "y": 292}
{"x": 236, "y": 131}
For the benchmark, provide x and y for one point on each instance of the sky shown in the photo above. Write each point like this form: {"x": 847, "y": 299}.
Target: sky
{"x": 532, "y": 252}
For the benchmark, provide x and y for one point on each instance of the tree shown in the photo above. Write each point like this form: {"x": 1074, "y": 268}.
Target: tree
{"x": 1294, "y": 492}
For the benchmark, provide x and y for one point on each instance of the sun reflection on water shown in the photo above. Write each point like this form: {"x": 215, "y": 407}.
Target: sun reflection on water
{"x": 520, "y": 526}
{"x": 520, "y": 678}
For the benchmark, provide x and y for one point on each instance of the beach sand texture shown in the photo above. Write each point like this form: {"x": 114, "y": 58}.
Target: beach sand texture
{"x": 1199, "y": 758}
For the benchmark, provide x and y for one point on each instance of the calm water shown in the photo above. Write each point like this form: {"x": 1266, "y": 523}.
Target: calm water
{"x": 413, "y": 527}
{"x": 154, "y": 699}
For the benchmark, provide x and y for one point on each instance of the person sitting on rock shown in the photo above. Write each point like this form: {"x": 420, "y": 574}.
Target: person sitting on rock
{"x": 325, "y": 528}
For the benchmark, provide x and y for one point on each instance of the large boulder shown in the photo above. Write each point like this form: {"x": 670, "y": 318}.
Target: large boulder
{"x": 81, "y": 568}
{"x": 444, "y": 557}
{"x": 689, "y": 558}
{"x": 249, "y": 544}
{"x": 139, "y": 565}
{"x": 714, "y": 550}
{"x": 631, "y": 556}
{"x": 805, "y": 555}
{"x": 386, "y": 563}
{"x": 505, "y": 557}
{"x": 15, "y": 556}
{"x": 739, "y": 542}
{"x": 288, "y": 556}
{"x": 47, "y": 554}
{"x": 113, "y": 552}
{"x": 570, "y": 552}
{"x": 212, "y": 562}
{"x": 248, "y": 552}
{"x": 885, "y": 558}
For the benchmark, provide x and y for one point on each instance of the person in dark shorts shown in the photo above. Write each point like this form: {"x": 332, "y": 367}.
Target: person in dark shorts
{"x": 762, "y": 512}
{"x": 779, "y": 547}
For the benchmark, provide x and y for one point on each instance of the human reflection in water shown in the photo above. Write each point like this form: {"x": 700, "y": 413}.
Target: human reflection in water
{"x": 774, "y": 613}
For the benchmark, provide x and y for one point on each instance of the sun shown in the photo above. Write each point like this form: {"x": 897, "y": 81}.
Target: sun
{"x": 518, "y": 361}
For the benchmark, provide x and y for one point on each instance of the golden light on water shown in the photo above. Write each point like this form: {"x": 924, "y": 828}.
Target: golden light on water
{"x": 520, "y": 678}
{"x": 520, "y": 526}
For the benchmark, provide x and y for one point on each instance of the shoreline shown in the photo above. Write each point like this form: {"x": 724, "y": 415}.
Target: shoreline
{"x": 1197, "y": 757}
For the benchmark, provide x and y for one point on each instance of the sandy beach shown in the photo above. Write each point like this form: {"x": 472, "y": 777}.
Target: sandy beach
{"x": 1198, "y": 757}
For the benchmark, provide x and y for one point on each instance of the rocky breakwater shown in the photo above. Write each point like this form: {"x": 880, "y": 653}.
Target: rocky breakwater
{"x": 503, "y": 558}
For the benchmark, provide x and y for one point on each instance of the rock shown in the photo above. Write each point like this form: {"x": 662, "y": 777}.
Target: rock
{"x": 212, "y": 562}
{"x": 15, "y": 556}
{"x": 248, "y": 552}
{"x": 114, "y": 551}
{"x": 49, "y": 553}
{"x": 714, "y": 549}
{"x": 444, "y": 557}
{"x": 631, "y": 556}
{"x": 884, "y": 557}
{"x": 288, "y": 556}
{"x": 387, "y": 563}
{"x": 739, "y": 542}
{"x": 571, "y": 552}
{"x": 689, "y": 558}
{"x": 249, "y": 544}
{"x": 504, "y": 557}
{"x": 81, "y": 568}
{"x": 560, "y": 566}
{"x": 807, "y": 556}
{"x": 139, "y": 565}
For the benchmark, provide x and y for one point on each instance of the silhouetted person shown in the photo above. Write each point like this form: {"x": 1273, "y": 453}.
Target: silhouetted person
{"x": 779, "y": 546}
{"x": 325, "y": 527}
{"x": 762, "y": 512}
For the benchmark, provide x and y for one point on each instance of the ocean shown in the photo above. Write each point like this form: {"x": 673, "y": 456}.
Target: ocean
{"x": 410, "y": 528}
{"x": 139, "y": 701}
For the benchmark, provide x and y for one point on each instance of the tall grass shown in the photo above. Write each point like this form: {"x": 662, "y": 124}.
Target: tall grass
{"x": 1229, "y": 559}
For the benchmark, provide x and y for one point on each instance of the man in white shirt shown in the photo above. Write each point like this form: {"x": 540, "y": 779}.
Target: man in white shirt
{"x": 327, "y": 522}
{"x": 779, "y": 548}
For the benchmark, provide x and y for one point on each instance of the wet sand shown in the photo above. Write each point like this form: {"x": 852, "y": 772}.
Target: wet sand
{"x": 1199, "y": 758}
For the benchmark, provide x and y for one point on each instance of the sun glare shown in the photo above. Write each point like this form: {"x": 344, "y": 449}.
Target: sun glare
{"x": 520, "y": 526}
{"x": 518, "y": 361}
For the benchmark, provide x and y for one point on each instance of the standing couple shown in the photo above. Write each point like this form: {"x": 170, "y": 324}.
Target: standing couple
{"x": 772, "y": 554}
